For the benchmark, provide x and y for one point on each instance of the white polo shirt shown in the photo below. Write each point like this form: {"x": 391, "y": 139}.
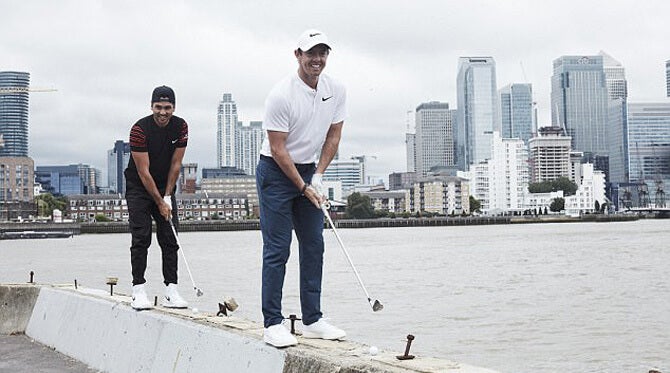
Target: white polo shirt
{"x": 305, "y": 113}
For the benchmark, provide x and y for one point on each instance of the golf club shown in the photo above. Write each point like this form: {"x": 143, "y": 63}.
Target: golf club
{"x": 376, "y": 305}
{"x": 198, "y": 292}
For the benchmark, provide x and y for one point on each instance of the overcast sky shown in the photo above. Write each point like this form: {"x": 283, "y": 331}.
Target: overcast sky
{"x": 105, "y": 57}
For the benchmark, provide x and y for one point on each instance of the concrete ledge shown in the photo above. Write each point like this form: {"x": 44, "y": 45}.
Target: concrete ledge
{"x": 105, "y": 333}
{"x": 16, "y": 306}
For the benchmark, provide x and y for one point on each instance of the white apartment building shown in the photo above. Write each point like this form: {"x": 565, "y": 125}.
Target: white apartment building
{"x": 226, "y": 123}
{"x": 248, "y": 146}
{"x": 591, "y": 189}
{"x": 499, "y": 183}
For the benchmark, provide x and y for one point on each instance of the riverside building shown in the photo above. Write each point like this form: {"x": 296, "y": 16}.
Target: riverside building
{"x": 579, "y": 102}
{"x": 434, "y": 138}
{"x": 549, "y": 155}
{"x": 478, "y": 110}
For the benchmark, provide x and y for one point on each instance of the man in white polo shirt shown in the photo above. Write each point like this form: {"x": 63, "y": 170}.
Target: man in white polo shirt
{"x": 304, "y": 114}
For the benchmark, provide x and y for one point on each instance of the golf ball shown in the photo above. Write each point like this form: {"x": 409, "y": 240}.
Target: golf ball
{"x": 374, "y": 350}
{"x": 195, "y": 310}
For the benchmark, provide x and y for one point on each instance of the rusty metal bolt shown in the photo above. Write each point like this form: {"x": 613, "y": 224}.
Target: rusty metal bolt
{"x": 407, "y": 356}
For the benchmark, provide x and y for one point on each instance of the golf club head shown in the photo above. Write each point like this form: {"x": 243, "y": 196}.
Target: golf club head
{"x": 377, "y": 306}
{"x": 198, "y": 292}
{"x": 231, "y": 304}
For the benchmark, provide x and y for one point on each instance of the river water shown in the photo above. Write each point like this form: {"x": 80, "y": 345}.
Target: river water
{"x": 564, "y": 297}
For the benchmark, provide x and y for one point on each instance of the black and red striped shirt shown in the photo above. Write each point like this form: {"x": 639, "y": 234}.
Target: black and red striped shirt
{"x": 160, "y": 143}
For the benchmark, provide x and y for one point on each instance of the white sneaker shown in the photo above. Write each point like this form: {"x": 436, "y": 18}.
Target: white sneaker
{"x": 277, "y": 335}
{"x": 322, "y": 329}
{"x": 140, "y": 300}
{"x": 172, "y": 299}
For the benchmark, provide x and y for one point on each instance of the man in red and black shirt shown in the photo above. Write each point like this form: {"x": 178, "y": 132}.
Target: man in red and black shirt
{"x": 157, "y": 146}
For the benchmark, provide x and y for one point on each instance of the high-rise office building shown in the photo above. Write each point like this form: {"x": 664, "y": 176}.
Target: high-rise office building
{"x": 579, "y": 99}
{"x": 410, "y": 151}
{"x": 649, "y": 143}
{"x": 667, "y": 77}
{"x": 516, "y": 111}
{"x": 478, "y": 110}
{"x": 615, "y": 77}
{"x": 434, "y": 139}
{"x": 14, "y": 113}
{"x": 117, "y": 161}
{"x": 617, "y": 133}
{"x": 349, "y": 172}
{"x": 549, "y": 155}
{"x": 248, "y": 146}
{"x": 225, "y": 132}
{"x": 68, "y": 180}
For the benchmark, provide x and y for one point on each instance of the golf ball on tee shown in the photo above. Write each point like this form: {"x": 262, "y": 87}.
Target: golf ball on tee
{"x": 195, "y": 310}
{"x": 374, "y": 350}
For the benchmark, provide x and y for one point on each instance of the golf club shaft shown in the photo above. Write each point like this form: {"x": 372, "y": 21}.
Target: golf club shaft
{"x": 181, "y": 249}
{"x": 344, "y": 250}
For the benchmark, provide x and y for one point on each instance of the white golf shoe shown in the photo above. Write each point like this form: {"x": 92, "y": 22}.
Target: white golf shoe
{"x": 277, "y": 335}
{"x": 323, "y": 330}
{"x": 140, "y": 300}
{"x": 172, "y": 299}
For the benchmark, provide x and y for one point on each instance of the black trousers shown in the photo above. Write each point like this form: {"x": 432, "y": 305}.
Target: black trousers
{"x": 141, "y": 211}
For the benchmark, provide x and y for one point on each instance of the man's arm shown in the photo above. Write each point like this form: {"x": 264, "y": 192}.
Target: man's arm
{"x": 175, "y": 169}
{"x": 330, "y": 146}
{"x": 142, "y": 163}
{"x": 277, "y": 141}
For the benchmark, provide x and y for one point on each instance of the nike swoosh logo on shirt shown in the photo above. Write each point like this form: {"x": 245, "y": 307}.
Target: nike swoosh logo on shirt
{"x": 326, "y": 98}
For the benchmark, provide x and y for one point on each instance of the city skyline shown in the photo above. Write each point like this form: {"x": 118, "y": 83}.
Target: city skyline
{"x": 104, "y": 74}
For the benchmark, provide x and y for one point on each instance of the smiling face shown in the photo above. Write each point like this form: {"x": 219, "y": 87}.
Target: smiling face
{"x": 162, "y": 112}
{"x": 311, "y": 63}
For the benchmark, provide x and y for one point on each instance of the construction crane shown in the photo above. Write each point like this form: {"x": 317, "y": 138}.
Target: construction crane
{"x": 642, "y": 190}
{"x": 659, "y": 199}
{"x": 15, "y": 90}
{"x": 11, "y": 90}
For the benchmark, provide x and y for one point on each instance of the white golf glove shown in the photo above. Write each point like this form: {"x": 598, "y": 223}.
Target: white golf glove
{"x": 317, "y": 184}
{"x": 168, "y": 200}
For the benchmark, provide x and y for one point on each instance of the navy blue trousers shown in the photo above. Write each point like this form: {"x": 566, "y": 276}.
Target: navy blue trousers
{"x": 284, "y": 209}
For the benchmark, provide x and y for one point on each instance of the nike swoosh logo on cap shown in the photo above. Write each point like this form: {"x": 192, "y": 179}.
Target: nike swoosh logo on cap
{"x": 174, "y": 141}
{"x": 313, "y": 35}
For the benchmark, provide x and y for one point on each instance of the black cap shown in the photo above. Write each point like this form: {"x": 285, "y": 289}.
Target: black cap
{"x": 163, "y": 93}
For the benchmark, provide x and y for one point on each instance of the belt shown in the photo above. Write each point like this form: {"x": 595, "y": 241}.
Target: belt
{"x": 266, "y": 158}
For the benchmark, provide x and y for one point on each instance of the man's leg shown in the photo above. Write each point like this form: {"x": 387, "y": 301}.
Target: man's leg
{"x": 139, "y": 219}
{"x": 275, "y": 193}
{"x": 308, "y": 225}
{"x": 168, "y": 243}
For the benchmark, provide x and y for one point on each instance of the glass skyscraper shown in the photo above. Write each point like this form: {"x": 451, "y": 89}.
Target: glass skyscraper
{"x": 649, "y": 143}
{"x": 478, "y": 111}
{"x": 516, "y": 111}
{"x": 14, "y": 113}
{"x": 225, "y": 132}
{"x": 615, "y": 77}
{"x": 117, "y": 161}
{"x": 579, "y": 99}
{"x": 434, "y": 139}
{"x": 667, "y": 77}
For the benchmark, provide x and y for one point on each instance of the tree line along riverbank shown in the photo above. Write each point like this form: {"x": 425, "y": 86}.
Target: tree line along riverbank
{"x": 254, "y": 224}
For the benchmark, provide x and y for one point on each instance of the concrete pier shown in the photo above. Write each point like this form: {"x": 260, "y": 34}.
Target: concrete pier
{"x": 105, "y": 333}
